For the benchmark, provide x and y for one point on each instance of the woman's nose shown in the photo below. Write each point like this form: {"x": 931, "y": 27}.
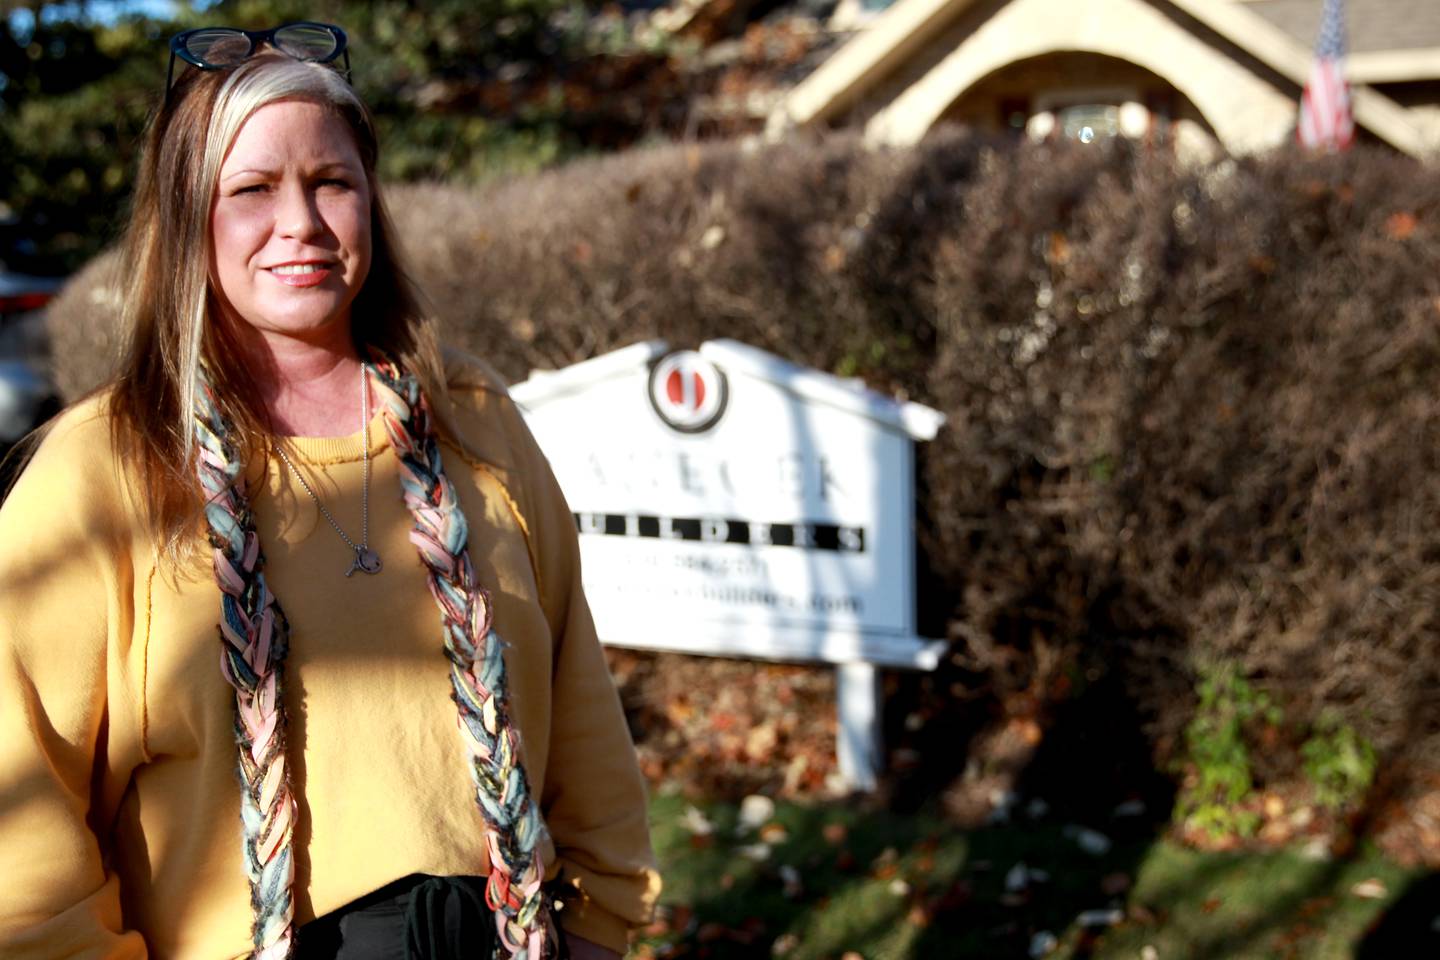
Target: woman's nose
{"x": 298, "y": 215}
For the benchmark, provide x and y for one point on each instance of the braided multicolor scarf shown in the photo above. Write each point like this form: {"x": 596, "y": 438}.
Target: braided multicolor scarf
{"x": 254, "y": 638}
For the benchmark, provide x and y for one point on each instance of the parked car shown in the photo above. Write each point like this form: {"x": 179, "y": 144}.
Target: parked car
{"x": 27, "y": 398}
{"x": 26, "y": 401}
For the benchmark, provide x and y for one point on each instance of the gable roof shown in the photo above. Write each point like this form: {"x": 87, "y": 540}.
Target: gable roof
{"x": 1370, "y": 25}
{"x": 909, "y": 25}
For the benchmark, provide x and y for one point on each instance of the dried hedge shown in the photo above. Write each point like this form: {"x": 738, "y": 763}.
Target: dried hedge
{"x": 1191, "y": 409}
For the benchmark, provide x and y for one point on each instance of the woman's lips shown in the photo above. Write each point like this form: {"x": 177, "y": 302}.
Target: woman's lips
{"x": 300, "y": 274}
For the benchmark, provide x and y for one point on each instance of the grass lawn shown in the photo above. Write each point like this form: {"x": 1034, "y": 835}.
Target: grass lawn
{"x": 838, "y": 881}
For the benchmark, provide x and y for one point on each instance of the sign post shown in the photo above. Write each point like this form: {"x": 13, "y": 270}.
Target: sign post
{"x": 730, "y": 503}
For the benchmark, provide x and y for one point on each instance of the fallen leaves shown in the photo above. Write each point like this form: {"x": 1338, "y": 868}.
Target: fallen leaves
{"x": 1371, "y": 889}
{"x": 695, "y": 822}
{"x": 755, "y": 811}
{"x": 774, "y": 834}
{"x": 886, "y": 865}
{"x": 679, "y": 711}
{"x": 761, "y": 741}
{"x": 758, "y": 852}
{"x": 729, "y": 728}
{"x": 784, "y": 944}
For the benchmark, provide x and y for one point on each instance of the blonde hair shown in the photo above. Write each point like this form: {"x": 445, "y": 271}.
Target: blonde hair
{"x": 172, "y": 333}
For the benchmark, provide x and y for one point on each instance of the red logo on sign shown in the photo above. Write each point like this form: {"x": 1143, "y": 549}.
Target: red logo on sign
{"x": 687, "y": 391}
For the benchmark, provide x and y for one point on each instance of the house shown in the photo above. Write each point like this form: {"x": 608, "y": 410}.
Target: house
{"x": 1199, "y": 76}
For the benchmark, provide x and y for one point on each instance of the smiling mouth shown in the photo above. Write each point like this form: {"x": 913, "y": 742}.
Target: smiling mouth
{"x": 298, "y": 269}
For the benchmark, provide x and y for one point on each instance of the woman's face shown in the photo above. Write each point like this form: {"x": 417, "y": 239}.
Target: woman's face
{"x": 290, "y": 228}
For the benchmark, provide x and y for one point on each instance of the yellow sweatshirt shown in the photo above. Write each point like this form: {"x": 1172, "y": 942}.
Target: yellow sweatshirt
{"x": 119, "y": 806}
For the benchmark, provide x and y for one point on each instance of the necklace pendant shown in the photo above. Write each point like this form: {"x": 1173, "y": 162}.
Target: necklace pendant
{"x": 366, "y": 560}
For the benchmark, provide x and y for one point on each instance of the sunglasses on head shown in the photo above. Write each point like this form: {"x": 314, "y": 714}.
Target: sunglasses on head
{"x": 215, "y": 48}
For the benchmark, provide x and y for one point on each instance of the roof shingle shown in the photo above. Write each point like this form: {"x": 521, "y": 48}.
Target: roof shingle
{"x": 1372, "y": 25}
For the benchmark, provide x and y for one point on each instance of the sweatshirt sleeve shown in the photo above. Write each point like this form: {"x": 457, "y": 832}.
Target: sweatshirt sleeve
{"x": 594, "y": 798}
{"x": 61, "y": 590}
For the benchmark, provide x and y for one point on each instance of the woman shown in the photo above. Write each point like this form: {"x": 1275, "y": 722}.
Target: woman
{"x": 286, "y": 461}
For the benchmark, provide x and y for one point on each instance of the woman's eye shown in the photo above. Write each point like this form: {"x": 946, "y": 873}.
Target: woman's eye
{"x": 336, "y": 183}
{"x": 251, "y": 188}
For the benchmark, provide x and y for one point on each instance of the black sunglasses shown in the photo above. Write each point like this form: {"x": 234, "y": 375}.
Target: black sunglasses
{"x": 215, "y": 48}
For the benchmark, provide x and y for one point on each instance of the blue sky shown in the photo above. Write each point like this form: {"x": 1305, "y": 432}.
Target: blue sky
{"x": 101, "y": 11}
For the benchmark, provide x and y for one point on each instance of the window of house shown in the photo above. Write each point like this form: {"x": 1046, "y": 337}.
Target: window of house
{"x": 1088, "y": 122}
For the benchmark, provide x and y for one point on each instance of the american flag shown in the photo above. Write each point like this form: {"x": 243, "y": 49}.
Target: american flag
{"x": 1325, "y": 117}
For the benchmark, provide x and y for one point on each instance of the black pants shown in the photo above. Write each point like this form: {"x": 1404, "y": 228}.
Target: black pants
{"x": 415, "y": 918}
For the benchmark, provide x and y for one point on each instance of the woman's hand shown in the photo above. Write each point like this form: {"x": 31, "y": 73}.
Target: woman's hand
{"x": 582, "y": 949}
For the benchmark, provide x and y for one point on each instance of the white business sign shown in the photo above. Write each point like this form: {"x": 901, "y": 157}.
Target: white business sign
{"x": 729, "y": 502}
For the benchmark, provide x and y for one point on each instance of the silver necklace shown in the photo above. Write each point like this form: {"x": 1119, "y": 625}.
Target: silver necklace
{"x": 366, "y": 560}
